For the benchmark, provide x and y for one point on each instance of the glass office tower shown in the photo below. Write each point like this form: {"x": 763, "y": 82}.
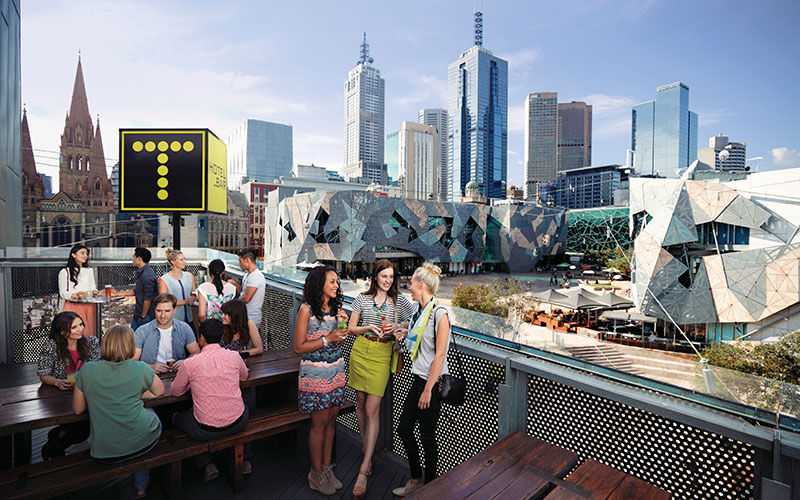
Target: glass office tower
{"x": 391, "y": 151}
{"x": 477, "y": 123}
{"x": 260, "y": 151}
{"x": 664, "y": 132}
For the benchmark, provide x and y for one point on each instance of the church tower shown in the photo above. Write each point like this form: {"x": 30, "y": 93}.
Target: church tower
{"x": 32, "y": 187}
{"x": 82, "y": 170}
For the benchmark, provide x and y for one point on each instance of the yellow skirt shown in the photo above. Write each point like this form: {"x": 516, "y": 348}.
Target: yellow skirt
{"x": 370, "y": 363}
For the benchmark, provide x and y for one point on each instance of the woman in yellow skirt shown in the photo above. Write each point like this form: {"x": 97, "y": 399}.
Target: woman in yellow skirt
{"x": 373, "y": 320}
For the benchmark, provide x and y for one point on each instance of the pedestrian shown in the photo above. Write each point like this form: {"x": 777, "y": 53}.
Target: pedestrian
{"x": 322, "y": 378}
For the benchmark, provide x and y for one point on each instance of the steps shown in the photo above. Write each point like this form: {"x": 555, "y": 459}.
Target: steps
{"x": 605, "y": 355}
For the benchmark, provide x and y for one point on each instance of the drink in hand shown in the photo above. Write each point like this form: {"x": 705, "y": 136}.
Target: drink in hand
{"x": 170, "y": 362}
{"x": 71, "y": 379}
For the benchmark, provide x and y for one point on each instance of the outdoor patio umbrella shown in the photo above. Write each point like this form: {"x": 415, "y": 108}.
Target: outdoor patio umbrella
{"x": 579, "y": 299}
{"x": 548, "y": 296}
{"x": 614, "y": 301}
{"x": 563, "y": 265}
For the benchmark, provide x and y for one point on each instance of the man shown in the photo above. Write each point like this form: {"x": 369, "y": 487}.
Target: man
{"x": 251, "y": 291}
{"x": 213, "y": 377}
{"x": 164, "y": 339}
{"x": 146, "y": 288}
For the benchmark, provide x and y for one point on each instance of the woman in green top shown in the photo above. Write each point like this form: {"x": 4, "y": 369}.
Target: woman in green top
{"x": 112, "y": 389}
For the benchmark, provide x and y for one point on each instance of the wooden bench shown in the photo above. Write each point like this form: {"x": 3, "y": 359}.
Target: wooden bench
{"x": 76, "y": 471}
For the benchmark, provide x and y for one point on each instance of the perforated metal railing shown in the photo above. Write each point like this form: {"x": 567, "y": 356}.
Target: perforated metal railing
{"x": 683, "y": 445}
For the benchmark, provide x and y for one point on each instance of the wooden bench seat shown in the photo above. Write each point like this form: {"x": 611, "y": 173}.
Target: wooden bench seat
{"x": 76, "y": 471}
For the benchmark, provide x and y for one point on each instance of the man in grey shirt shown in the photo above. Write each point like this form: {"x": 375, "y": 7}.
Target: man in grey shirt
{"x": 251, "y": 291}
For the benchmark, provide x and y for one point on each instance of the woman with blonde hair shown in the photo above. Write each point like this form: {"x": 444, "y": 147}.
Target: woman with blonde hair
{"x": 427, "y": 340}
{"x": 112, "y": 389}
{"x": 180, "y": 284}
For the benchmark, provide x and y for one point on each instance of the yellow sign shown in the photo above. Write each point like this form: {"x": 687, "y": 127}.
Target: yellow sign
{"x": 172, "y": 170}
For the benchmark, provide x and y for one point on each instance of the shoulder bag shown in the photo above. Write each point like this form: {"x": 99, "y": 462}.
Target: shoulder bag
{"x": 452, "y": 389}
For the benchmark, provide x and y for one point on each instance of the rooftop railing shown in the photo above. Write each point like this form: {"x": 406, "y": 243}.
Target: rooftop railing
{"x": 705, "y": 443}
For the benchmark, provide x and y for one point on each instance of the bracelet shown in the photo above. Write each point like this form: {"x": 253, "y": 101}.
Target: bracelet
{"x": 324, "y": 342}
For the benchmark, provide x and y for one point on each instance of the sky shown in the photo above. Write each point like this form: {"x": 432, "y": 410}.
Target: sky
{"x": 205, "y": 64}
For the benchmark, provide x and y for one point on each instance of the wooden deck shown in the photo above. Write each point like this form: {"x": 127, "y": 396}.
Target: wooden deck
{"x": 280, "y": 471}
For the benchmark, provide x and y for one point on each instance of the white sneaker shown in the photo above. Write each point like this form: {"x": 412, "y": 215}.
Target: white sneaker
{"x": 409, "y": 488}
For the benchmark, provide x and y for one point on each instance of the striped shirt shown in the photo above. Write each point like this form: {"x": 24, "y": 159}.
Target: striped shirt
{"x": 372, "y": 313}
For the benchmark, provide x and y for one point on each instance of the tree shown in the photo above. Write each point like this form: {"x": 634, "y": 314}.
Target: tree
{"x": 621, "y": 260}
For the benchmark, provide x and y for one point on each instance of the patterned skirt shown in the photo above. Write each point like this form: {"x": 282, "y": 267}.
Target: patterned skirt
{"x": 322, "y": 379}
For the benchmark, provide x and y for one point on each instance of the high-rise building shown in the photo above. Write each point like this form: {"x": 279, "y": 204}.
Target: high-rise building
{"x": 47, "y": 182}
{"x": 364, "y": 107}
{"x": 419, "y": 161}
{"x": 10, "y": 128}
{"x": 477, "y": 120}
{"x": 82, "y": 171}
{"x": 664, "y": 132}
{"x": 438, "y": 118}
{"x": 732, "y": 160}
{"x": 574, "y": 135}
{"x": 540, "y": 141}
{"x": 259, "y": 151}
{"x": 391, "y": 155}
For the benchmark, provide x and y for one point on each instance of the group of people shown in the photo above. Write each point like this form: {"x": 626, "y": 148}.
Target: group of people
{"x": 384, "y": 321}
{"x": 112, "y": 378}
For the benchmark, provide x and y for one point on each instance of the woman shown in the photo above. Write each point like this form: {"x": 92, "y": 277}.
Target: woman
{"x": 427, "y": 340}
{"x": 75, "y": 283}
{"x": 322, "y": 376}
{"x": 180, "y": 284}
{"x": 62, "y": 355}
{"x": 212, "y": 294}
{"x": 241, "y": 334}
{"x": 370, "y": 359}
{"x": 112, "y": 389}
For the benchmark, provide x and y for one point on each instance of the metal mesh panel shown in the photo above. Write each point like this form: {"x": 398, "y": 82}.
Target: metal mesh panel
{"x": 28, "y": 344}
{"x": 34, "y": 281}
{"x": 688, "y": 462}
{"x": 464, "y": 431}
{"x": 276, "y": 316}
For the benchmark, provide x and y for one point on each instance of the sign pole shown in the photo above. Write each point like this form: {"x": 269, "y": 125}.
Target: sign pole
{"x": 176, "y": 230}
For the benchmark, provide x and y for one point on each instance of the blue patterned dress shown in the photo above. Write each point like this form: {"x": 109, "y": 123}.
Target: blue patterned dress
{"x": 322, "y": 376}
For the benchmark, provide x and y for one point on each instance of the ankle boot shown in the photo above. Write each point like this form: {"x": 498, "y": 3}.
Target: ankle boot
{"x": 319, "y": 481}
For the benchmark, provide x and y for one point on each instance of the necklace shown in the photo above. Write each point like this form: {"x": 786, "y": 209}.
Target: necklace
{"x": 383, "y": 306}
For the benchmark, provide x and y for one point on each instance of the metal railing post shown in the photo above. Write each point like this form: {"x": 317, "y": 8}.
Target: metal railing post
{"x": 512, "y": 407}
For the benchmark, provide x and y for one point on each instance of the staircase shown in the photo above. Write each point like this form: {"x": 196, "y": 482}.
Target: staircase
{"x": 605, "y": 355}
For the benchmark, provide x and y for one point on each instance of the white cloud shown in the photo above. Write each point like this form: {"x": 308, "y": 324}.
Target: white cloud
{"x": 427, "y": 90}
{"x": 785, "y": 157}
{"x": 604, "y": 104}
{"x": 521, "y": 61}
{"x": 706, "y": 118}
{"x": 516, "y": 118}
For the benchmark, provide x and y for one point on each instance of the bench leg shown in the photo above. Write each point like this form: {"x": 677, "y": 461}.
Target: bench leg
{"x": 172, "y": 483}
{"x": 236, "y": 469}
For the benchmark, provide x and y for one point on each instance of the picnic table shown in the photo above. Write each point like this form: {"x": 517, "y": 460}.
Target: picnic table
{"x": 32, "y": 406}
{"x": 519, "y": 466}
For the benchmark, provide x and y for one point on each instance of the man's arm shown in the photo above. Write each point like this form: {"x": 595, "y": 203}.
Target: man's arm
{"x": 248, "y": 294}
{"x": 145, "y": 308}
{"x": 181, "y": 382}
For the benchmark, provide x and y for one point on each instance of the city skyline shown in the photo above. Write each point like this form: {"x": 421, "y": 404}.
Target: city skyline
{"x": 175, "y": 65}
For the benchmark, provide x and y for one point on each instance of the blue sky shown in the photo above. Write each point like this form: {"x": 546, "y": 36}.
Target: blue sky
{"x": 214, "y": 64}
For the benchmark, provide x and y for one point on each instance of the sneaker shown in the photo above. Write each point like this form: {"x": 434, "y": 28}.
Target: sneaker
{"x": 52, "y": 449}
{"x": 247, "y": 468}
{"x": 210, "y": 473}
{"x": 319, "y": 481}
{"x": 328, "y": 469}
{"x": 407, "y": 489}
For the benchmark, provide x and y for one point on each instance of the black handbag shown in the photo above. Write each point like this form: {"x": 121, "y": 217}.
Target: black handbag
{"x": 452, "y": 389}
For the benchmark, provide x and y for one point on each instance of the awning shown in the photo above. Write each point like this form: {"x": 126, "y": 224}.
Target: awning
{"x": 628, "y": 316}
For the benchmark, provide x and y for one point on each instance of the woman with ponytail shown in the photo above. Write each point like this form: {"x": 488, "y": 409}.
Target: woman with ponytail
{"x": 212, "y": 294}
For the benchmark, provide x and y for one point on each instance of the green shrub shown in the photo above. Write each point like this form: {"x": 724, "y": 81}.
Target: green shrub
{"x": 486, "y": 298}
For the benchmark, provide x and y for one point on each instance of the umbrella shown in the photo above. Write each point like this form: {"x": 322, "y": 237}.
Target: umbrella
{"x": 617, "y": 277}
{"x": 305, "y": 264}
{"x": 628, "y": 316}
{"x": 610, "y": 270}
{"x": 548, "y": 296}
{"x": 580, "y": 299}
{"x": 614, "y": 300}
{"x": 588, "y": 271}
{"x": 573, "y": 267}
{"x": 564, "y": 264}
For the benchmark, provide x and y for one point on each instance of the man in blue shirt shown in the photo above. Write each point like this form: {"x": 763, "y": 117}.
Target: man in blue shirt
{"x": 164, "y": 342}
{"x": 146, "y": 289}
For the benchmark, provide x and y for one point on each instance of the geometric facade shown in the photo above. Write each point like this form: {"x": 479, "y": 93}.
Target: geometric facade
{"x": 598, "y": 229}
{"x": 357, "y": 226}
{"x": 693, "y": 259}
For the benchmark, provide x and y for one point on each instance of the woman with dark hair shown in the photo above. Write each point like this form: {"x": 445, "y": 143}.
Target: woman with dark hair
{"x": 62, "y": 355}
{"x": 75, "y": 283}
{"x": 375, "y": 313}
{"x": 212, "y": 294}
{"x": 240, "y": 334}
{"x": 322, "y": 375}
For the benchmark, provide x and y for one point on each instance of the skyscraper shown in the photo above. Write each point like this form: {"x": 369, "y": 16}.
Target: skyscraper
{"x": 364, "y": 105}
{"x": 259, "y": 151}
{"x": 10, "y": 129}
{"x": 541, "y": 141}
{"x": 574, "y": 135}
{"x": 391, "y": 154}
{"x": 418, "y": 160}
{"x": 438, "y": 118}
{"x": 733, "y": 160}
{"x": 664, "y": 132}
{"x": 477, "y": 120}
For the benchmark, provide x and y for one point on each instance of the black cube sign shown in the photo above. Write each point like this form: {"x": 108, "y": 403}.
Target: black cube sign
{"x": 166, "y": 170}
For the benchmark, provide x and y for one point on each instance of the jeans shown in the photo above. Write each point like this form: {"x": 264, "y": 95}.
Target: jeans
{"x": 138, "y": 321}
{"x": 186, "y": 422}
{"x": 140, "y": 478}
{"x": 428, "y": 420}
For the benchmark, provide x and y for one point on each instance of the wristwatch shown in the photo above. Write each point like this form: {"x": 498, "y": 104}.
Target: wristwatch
{"x": 324, "y": 342}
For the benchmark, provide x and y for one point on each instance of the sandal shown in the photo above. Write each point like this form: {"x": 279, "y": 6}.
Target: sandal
{"x": 359, "y": 492}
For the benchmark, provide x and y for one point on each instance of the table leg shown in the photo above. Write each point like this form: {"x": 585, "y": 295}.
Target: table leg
{"x": 15, "y": 450}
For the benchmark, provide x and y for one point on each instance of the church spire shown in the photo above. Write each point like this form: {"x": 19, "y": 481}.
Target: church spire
{"x": 79, "y": 107}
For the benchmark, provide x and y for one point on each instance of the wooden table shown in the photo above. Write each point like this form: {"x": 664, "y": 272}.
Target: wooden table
{"x": 35, "y": 406}
{"x": 521, "y": 467}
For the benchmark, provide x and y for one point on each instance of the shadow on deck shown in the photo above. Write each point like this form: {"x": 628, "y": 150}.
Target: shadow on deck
{"x": 280, "y": 471}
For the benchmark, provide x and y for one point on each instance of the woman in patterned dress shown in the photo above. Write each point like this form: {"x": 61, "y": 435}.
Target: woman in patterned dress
{"x": 215, "y": 292}
{"x": 322, "y": 375}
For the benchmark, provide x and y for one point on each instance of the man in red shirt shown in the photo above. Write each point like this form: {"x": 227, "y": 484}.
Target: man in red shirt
{"x": 213, "y": 377}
